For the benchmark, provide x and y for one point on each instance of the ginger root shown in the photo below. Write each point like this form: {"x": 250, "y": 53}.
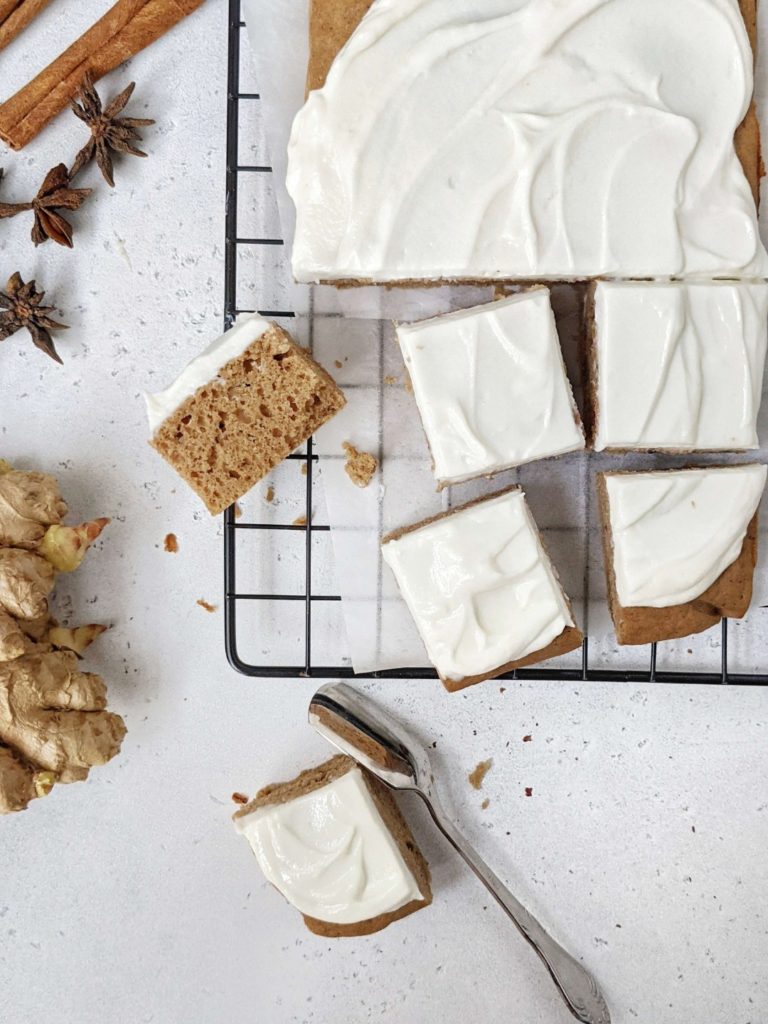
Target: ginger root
{"x": 54, "y": 725}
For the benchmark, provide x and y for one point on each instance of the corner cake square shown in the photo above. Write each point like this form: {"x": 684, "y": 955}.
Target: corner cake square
{"x": 680, "y": 548}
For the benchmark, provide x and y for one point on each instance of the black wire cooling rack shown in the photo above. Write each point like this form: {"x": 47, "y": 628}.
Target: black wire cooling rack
{"x": 304, "y": 663}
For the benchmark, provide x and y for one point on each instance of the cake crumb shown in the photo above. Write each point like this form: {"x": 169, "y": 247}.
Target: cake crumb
{"x": 484, "y": 804}
{"x": 171, "y": 543}
{"x": 338, "y": 363}
{"x": 270, "y": 495}
{"x": 390, "y": 379}
{"x": 206, "y": 605}
{"x": 527, "y": 738}
{"x": 238, "y": 510}
{"x": 407, "y": 383}
{"x": 479, "y": 772}
{"x": 239, "y": 798}
{"x": 360, "y": 466}
{"x": 502, "y": 689}
{"x": 300, "y": 521}
{"x": 529, "y": 790}
{"x": 303, "y": 468}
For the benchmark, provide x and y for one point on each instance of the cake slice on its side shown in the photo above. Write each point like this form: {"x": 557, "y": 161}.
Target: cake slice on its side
{"x": 680, "y": 548}
{"x": 491, "y": 387}
{"x": 482, "y": 590}
{"x": 677, "y": 366}
{"x": 335, "y": 844}
{"x": 239, "y": 409}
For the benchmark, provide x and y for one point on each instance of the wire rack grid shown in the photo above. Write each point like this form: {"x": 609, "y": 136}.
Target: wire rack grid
{"x": 304, "y": 663}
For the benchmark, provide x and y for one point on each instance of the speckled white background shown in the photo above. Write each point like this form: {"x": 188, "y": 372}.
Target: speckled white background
{"x": 130, "y": 899}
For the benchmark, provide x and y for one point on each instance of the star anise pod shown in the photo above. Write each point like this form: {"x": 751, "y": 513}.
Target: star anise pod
{"x": 20, "y": 306}
{"x": 108, "y": 131}
{"x": 54, "y": 195}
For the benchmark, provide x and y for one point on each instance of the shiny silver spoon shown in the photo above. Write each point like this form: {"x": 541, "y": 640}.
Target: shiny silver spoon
{"x": 380, "y": 744}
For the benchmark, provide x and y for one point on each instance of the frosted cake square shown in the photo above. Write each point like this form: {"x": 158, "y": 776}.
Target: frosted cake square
{"x": 676, "y": 365}
{"x": 481, "y": 589}
{"x": 335, "y": 844}
{"x": 680, "y": 548}
{"x": 491, "y": 387}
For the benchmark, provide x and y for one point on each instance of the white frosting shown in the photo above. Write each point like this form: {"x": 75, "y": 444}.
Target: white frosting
{"x": 205, "y": 367}
{"x": 491, "y": 386}
{"x": 680, "y": 365}
{"x": 528, "y": 139}
{"x": 480, "y": 587}
{"x": 330, "y": 853}
{"x": 675, "y": 532}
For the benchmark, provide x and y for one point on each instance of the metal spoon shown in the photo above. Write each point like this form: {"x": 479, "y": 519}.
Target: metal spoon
{"x": 380, "y": 744}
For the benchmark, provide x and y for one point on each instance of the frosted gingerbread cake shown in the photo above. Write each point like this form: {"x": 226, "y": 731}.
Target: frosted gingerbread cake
{"x": 677, "y": 366}
{"x": 680, "y": 548}
{"x": 508, "y": 140}
{"x": 491, "y": 386}
{"x": 482, "y": 590}
{"x": 334, "y": 843}
{"x": 239, "y": 408}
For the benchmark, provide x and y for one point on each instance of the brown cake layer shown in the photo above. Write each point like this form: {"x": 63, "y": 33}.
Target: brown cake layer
{"x": 567, "y": 641}
{"x": 316, "y": 778}
{"x": 728, "y": 597}
{"x": 234, "y": 430}
{"x": 332, "y": 22}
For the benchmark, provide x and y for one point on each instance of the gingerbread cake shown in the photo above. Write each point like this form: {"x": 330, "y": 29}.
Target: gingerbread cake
{"x": 482, "y": 591}
{"x": 677, "y": 366}
{"x": 335, "y": 844}
{"x": 239, "y": 409}
{"x": 680, "y": 548}
{"x": 485, "y": 109}
{"x": 491, "y": 387}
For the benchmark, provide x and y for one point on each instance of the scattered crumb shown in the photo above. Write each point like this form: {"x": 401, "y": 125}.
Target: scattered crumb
{"x": 484, "y": 804}
{"x": 208, "y": 607}
{"x": 478, "y": 774}
{"x": 689, "y": 651}
{"x": 360, "y": 466}
{"x": 693, "y": 828}
{"x": 303, "y": 468}
{"x": 238, "y": 510}
{"x": 170, "y": 543}
{"x": 527, "y": 738}
{"x": 407, "y": 383}
{"x": 338, "y": 363}
{"x": 239, "y": 798}
{"x": 390, "y": 379}
{"x": 502, "y": 689}
{"x": 529, "y": 790}
{"x": 300, "y": 521}
{"x": 270, "y": 495}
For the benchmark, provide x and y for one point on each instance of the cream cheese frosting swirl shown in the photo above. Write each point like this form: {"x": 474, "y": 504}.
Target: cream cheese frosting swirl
{"x": 552, "y": 139}
{"x": 675, "y": 532}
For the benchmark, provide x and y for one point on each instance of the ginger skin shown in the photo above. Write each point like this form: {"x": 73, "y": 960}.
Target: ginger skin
{"x": 54, "y": 725}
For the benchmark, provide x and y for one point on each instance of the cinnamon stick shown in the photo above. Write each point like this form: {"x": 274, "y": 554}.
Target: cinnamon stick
{"x": 15, "y": 15}
{"x": 126, "y": 28}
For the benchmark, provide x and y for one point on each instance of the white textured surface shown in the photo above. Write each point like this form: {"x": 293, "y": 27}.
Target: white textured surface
{"x": 130, "y": 899}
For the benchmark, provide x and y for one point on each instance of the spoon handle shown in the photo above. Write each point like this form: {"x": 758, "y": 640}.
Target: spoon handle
{"x": 577, "y": 986}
